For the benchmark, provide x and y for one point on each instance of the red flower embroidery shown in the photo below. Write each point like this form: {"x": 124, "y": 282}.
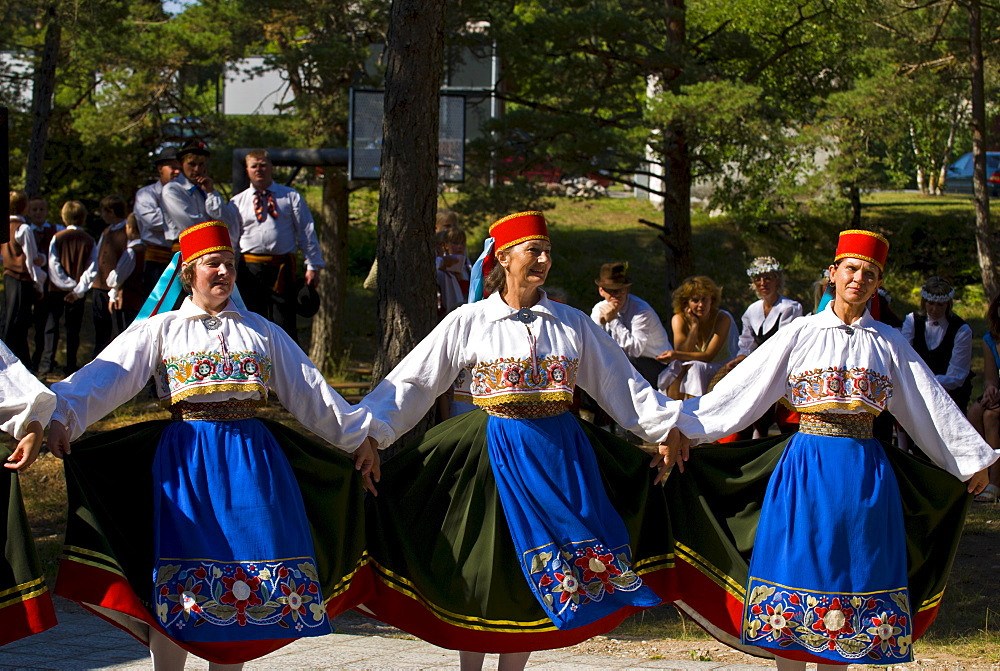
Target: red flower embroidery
{"x": 835, "y": 621}
{"x": 598, "y": 566}
{"x": 295, "y": 601}
{"x": 241, "y": 593}
{"x": 179, "y": 606}
{"x": 777, "y": 618}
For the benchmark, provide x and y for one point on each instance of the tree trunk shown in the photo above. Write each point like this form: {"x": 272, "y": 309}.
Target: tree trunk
{"x": 980, "y": 196}
{"x": 676, "y": 165}
{"x": 41, "y": 102}
{"x": 408, "y": 188}
{"x": 854, "y": 197}
{"x": 326, "y": 347}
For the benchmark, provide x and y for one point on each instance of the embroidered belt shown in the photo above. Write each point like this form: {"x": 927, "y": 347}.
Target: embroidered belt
{"x": 213, "y": 412}
{"x": 852, "y": 425}
{"x": 527, "y": 410}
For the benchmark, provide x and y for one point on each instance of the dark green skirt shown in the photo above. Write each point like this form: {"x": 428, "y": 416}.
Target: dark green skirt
{"x": 446, "y": 566}
{"x": 25, "y": 602}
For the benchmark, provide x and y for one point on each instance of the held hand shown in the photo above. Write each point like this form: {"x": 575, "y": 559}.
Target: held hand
{"x": 367, "y": 460}
{"x": 26, "y": 452}
{"x": 977, "y": 483}
{"x": 675, "y": 450}
{"x": 58, "y": 439}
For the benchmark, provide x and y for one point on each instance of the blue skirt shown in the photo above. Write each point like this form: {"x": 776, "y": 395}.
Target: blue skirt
{"x": 234, "y": 557}
{"x": 828, "y": 575}
{"x": 572, "y": 544}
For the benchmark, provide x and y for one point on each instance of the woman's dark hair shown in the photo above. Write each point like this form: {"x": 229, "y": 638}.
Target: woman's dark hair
{"x": 992, "y": 318}
{"x": 497, "y": 279}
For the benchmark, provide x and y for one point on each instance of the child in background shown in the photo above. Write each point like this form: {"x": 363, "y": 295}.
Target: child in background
{"x": 37, "y": 216}
{"x": 125, "y": 296}
{"x": 69, "y": 253}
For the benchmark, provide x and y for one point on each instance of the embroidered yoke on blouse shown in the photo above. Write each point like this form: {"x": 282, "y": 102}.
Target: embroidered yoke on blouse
{"x": 515, "y": 380}
{"x": 834, "y": 388}
{"x": 195, "y": 373}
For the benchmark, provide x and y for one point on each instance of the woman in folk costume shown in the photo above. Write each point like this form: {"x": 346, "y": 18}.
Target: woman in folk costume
{"x": 849, "y": 552}
{"x": 761, "y": 321}
{"x": 942, "y": 339}
{"x": 197, "y": 533}
{"x": 773, "y": 311}
{"x": 25, "y": 408}
{"x": 516, "y": 527}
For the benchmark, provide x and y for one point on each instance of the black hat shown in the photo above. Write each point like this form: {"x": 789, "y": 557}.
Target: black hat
{"x": 307, "y": 302}
{"x": 195, "y": 147}
{"x": 166, "y": 155}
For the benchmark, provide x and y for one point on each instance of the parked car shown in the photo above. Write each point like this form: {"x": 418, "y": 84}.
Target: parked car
{"x": 958, "y": 179}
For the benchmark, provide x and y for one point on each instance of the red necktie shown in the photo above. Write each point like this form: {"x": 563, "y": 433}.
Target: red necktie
{"x": 258, "y": 205}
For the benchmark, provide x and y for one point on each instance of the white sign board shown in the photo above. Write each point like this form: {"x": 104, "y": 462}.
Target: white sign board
{"x": 252, "y": 87}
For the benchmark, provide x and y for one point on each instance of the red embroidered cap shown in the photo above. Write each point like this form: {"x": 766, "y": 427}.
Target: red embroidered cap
{"x": 865, "y": 245}
{"x": 517, "y": 228}
{"x": 204, "y": 238}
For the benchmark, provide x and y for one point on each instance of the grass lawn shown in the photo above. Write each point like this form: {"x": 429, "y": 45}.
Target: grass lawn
{"x": 928, "y": 236}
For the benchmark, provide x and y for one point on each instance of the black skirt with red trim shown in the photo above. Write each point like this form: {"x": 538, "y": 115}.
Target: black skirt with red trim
{"x": 25, "y": 601}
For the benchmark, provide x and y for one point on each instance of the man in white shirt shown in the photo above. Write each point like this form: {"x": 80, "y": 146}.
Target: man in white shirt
{"x": 191, "y": 197}
{"x": 274, "y": 223}
{"x": 149, "y": 212}
{"x": 630, "y": 321}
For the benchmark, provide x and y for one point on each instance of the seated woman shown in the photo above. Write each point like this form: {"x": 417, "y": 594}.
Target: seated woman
{"x": 704, "y": 339}
{"x": 984, "y": 413}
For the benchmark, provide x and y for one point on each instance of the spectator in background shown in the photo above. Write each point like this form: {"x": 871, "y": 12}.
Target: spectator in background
{"x": 984, "y": 413}
{"x": 630, "y": 321}
{"x": 107, "y": 254}
{"x": 942, "y": 339}
{"x": 37, "y": 215}
{"x": 191, "y": 198}
{"x": 24, "y": 278}
{"x": 274, "y": 223}
{"x": 152, "y": 220}
{"x": 445, "y": 219}
{"x": 761, "y": 321}
{"x": 704, "y": 336}
{"x": 70, "y": 253}
{"x": 125, "y": 282}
